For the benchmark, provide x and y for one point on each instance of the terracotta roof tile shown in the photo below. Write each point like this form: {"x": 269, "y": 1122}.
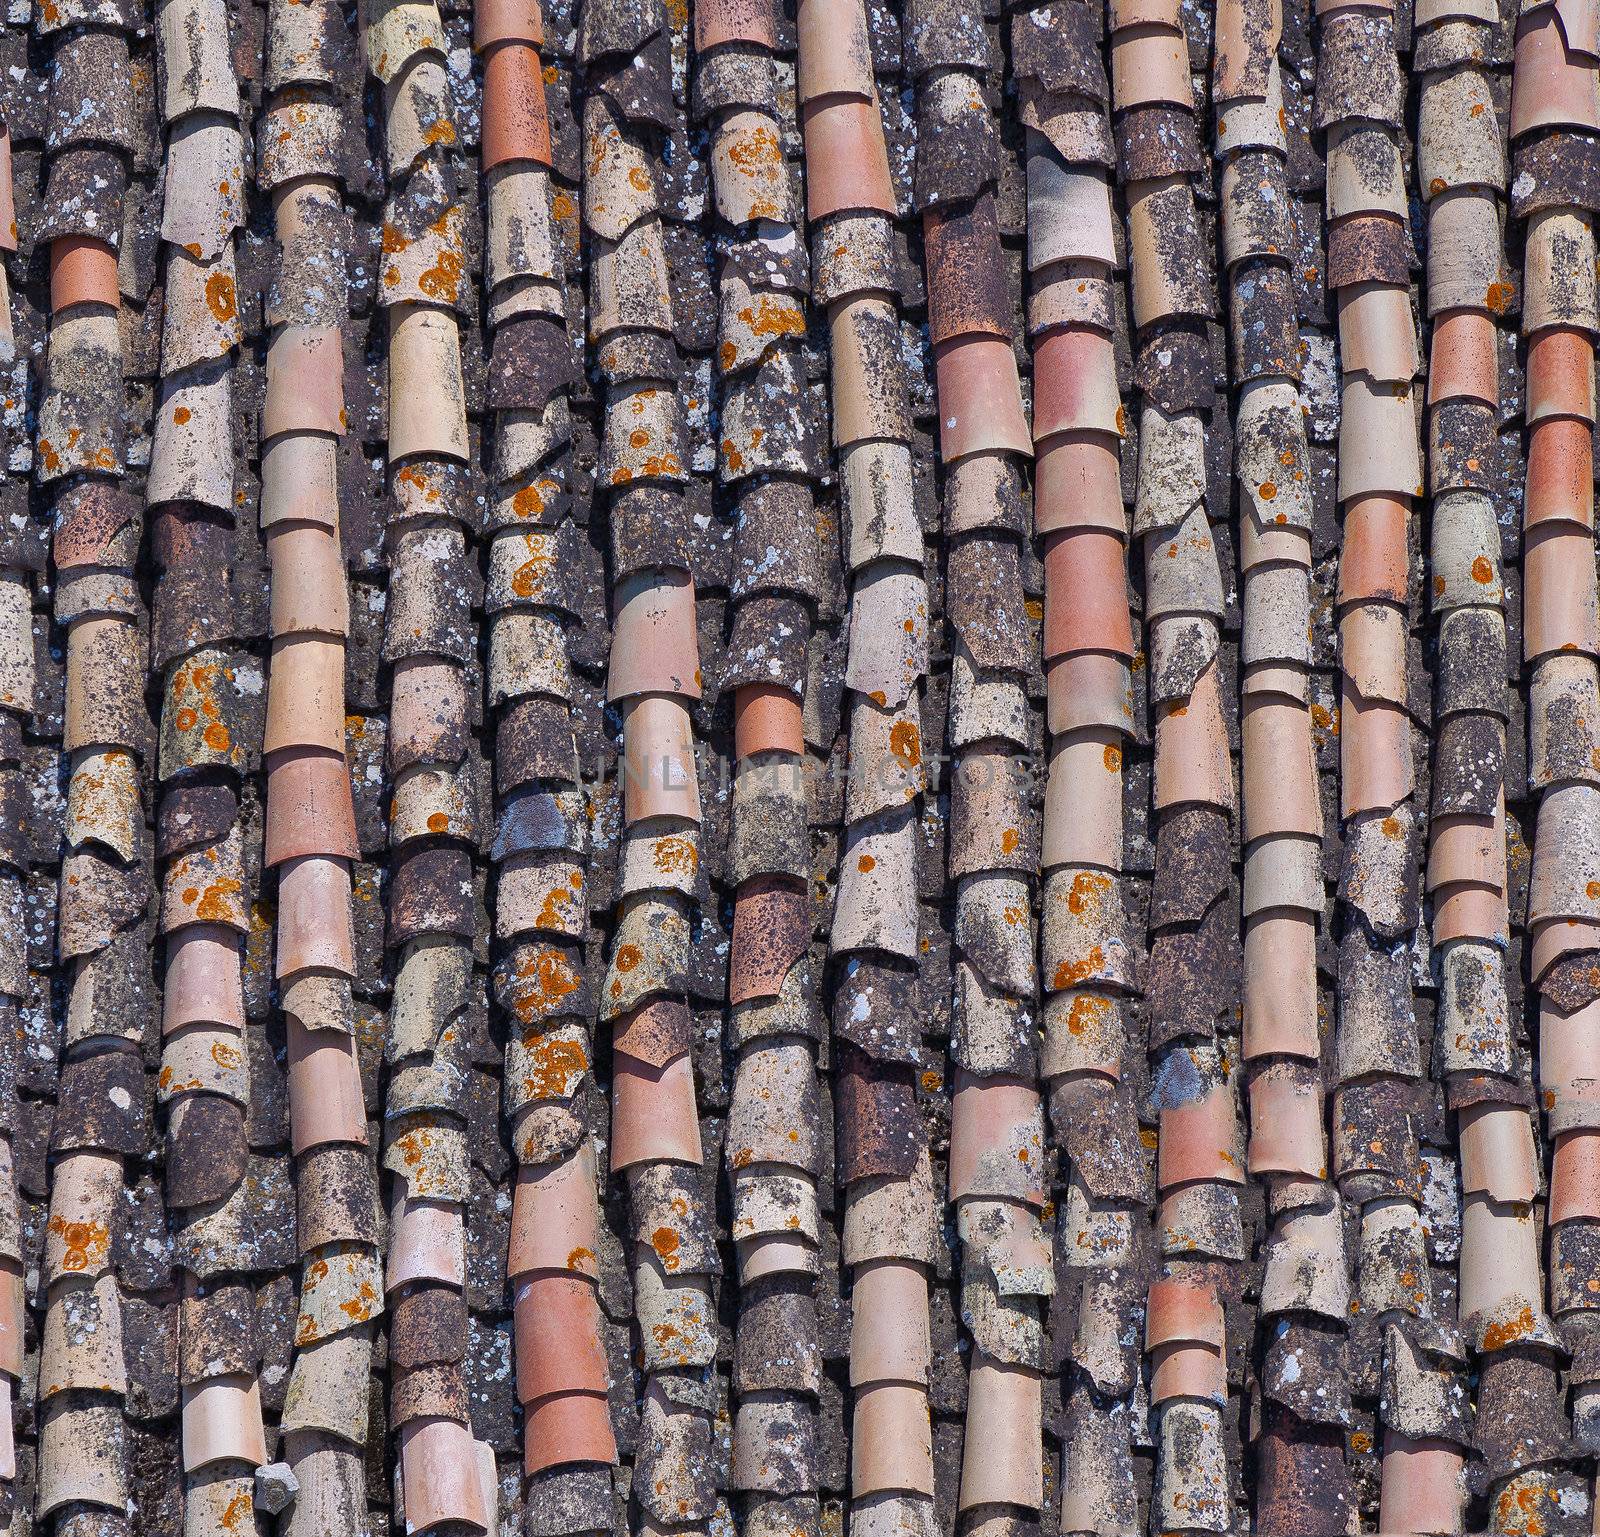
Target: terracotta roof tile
{"x": 855, "y": 844}
{"x": 847, "y": 166}
{"x": 507, "y": 21}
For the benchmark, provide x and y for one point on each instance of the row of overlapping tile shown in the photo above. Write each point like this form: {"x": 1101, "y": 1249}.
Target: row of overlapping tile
{"x": 652, "y": 621}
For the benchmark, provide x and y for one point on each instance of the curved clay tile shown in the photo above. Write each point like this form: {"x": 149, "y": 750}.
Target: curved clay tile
{"x": 516, "y": 127}
{"x": 1077, "y": 422}
{"x": 1076, "y": 389}
{"x": 16, "y": 618}
{"x": 851, "y": 173}
{"x": 1193, "y": 988}
{"x": 1553, "y": 92}
{"x": 1365, "y": 1371}
{"x": 1462, "y": 358}
{"x": 8, "y": 203}
{"x": 996, "y": 1161}
{"x": 1560, "y": 380}
{"x": 654, "y": 680}
{"x": 980, "y": 401}
{"x": 305, "y": 362}
{"x": 312, "y": 837}
{"x": 433, "y": 821}
{"x": 876, "y": 925}
{"x": 767, "y": 718}
{"x": 1459, "y": 176}
{"x": 102, "y": 1130}
{"x": 82, "y": 271}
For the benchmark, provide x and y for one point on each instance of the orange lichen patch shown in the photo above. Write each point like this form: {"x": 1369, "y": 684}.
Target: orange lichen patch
{"x": 677, "y": 856}
{"x": 905, "y": 743}
{"x": 214, "y": 905}
{"x": 438, "y": 822}
{"x": 665, "y": 1242}
{"x": 555, "y": 902}
{"x": 239, "y": 1516}
{"x": 768, "y": 317}
{"x": 197, "y": 681}
{"x": 1009, "y": 840}
{"x": 226, "y": 1056}
{"x": 181, "y": 415}
{"x": 1391, "y": 827}
{"x": 440, "y": 131}
{"x": 548, "y": 977}
{"x": 221, "y": 297}
{"x": 757, "y": 152}
{"x": 359, "y": 1307}
{"x": 86, "y": 1243}
{"x": 415, "y": 477}
{"x": 1267, "y": 490}
{"x": 1112, "y": 758}
{"x": 656, "y": 466}
{"x": 1086, "y": 1012}
{"x": 1592, "y": 890}
{"x": 932, "y": 1081}
{"x": 1498, "y": 297}
{"x": 866, "y": 864}
{"x": 627, "y": 957}
{"x": 1070, "y": 973}
{"x": 529, "y": 501}
{"x": 1517, "y": 1511}
{"x": 555, "y": 1062}
{"x": 1088, "y": 886}
{"x": 413, "y": 1147}
{"x": 1482, "y": 570}
{"x": 1519, "y": 1326}
{"x": 442, "y": 279}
